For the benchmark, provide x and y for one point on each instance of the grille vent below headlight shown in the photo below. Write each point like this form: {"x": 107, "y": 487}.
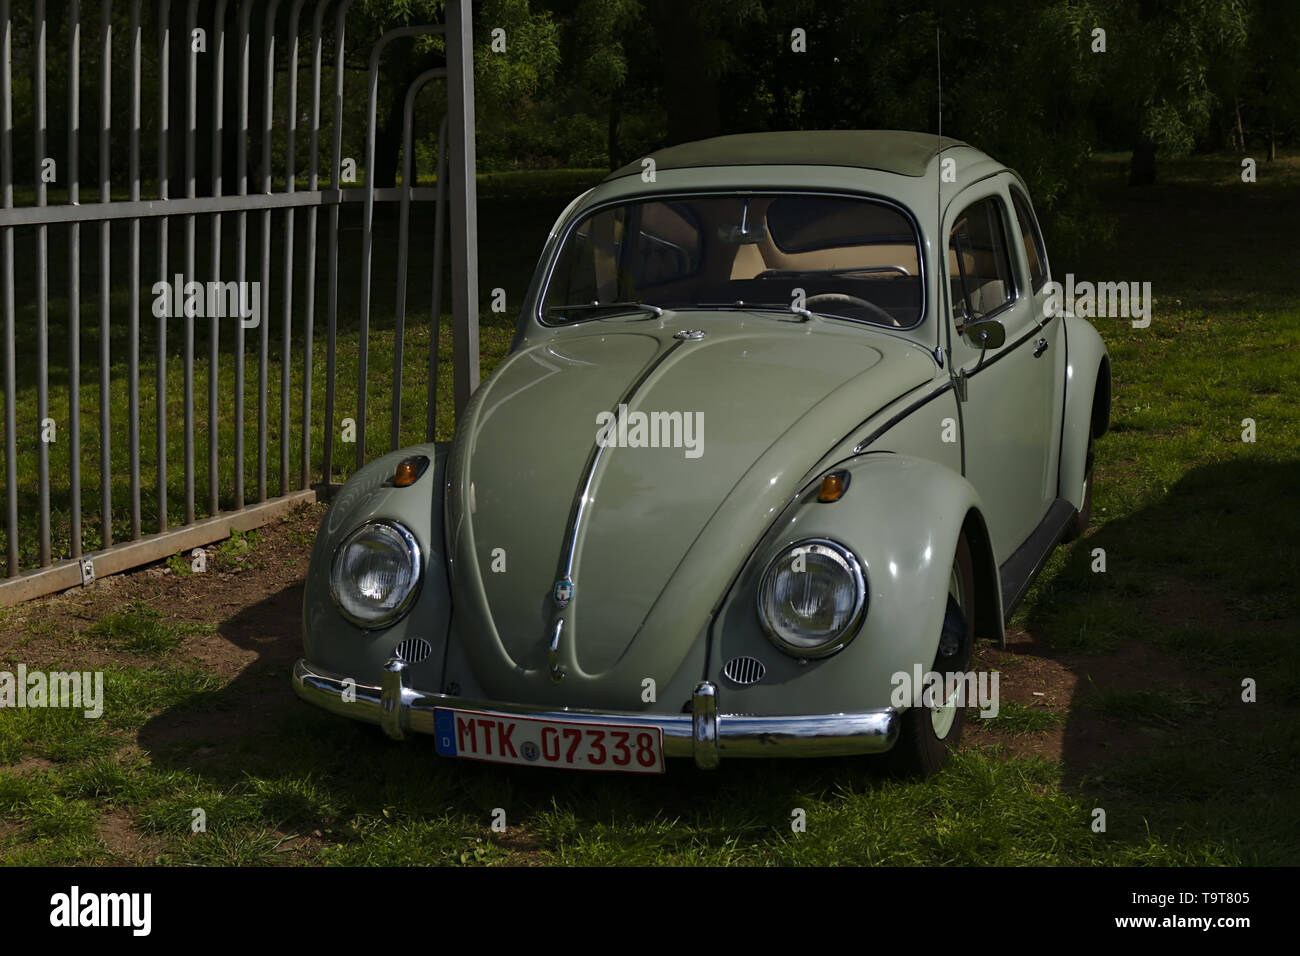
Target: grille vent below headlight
{"x": 744, "y": 670}
{"x": 413, "y": 650}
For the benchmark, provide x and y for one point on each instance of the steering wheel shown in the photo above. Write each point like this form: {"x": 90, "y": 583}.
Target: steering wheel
{"x": 843, "y": 298}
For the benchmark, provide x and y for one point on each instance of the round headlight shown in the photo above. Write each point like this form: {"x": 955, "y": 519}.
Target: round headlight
{"x": 375, "y": 574}
{"x": 812, "y": 598}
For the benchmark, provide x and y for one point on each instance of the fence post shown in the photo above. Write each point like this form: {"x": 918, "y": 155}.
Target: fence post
{"x": 464, "y": 201}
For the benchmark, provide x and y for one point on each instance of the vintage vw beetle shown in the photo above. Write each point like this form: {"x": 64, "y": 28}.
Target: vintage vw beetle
{"x": 759, "y": 448}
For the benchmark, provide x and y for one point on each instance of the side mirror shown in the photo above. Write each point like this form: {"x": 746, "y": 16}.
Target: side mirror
{"x": 985, "y": 334}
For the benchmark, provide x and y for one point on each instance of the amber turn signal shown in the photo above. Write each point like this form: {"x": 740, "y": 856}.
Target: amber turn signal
{"x": 408, "y": 470}
{"x": 833, "y": 486}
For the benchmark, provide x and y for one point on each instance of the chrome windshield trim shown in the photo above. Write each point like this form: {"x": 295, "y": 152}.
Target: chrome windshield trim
{"x": 578, "y": 213}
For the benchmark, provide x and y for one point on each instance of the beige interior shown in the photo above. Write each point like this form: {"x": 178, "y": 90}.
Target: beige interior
{"x": 746, "y": 262}
{"x": 987, "y": 291}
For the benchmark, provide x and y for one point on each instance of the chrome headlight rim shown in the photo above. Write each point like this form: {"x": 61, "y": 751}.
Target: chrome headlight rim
{"x": 417, "y": 575}
{"x": 851, "y": 564}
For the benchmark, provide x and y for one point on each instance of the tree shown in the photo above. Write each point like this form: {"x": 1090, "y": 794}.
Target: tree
{"x": 1271, "y": 86}
{"x": 1158, "y": 62}
{"x": 502, "y": 78}
{"x": 596, "y": 44}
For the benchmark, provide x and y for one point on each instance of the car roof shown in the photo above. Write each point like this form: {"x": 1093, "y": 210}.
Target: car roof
{"x": 902, "y": 152}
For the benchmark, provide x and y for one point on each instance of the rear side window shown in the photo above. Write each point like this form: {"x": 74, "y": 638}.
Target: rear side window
{"x": 979, "y": 267}
{"x": 1033, "y": 241}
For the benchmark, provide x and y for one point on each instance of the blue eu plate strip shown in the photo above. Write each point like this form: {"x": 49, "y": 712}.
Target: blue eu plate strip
{"x": 444, "y": 732}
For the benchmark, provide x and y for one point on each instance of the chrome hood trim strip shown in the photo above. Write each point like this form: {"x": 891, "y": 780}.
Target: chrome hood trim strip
{"x": 565, "y": 586}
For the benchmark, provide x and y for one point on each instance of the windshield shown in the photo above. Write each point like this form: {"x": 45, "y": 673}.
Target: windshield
{"x": 842, "y": 256}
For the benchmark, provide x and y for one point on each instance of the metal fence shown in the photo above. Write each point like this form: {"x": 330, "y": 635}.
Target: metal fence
{"x": 140, "y": 512}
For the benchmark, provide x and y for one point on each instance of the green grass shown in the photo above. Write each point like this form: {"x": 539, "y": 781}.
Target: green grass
{"x": 140, "y": 629}
{"x": 1200, "y": 539}
{"x": 1017, "y": 719}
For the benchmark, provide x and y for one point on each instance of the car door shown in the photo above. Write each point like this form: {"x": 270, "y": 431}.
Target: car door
{"x": 1034, "y": 276}
{"x": 1006, "y": 391}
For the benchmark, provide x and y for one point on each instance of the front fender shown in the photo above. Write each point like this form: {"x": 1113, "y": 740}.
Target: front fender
{"x": 902, "y": 517}
{"x": 1087, "y": 404}
{"x": 333, "y": 643}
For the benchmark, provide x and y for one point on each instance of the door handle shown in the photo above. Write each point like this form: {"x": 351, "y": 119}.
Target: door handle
{"x": 1040, "y": 347}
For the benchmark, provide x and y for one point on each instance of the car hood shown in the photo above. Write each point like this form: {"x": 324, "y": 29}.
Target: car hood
{"x": 660, "y": 531}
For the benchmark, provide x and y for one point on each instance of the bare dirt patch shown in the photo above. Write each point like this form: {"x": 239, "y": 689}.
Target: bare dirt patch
{"x": 236, "y": 588}
{"x": 29, "y": 766}
{"x": 1036, "y": 677}
{"x": 117, "y": 831}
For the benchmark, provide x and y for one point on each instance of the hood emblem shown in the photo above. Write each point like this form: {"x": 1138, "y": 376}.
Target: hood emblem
{"x": 563, "y": 592}
{"x": 689, "y": 335}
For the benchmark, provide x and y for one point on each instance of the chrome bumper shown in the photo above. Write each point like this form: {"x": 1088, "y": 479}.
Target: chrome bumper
{"x": 704, "y": 734}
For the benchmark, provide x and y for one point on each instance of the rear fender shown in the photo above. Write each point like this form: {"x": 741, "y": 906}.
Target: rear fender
{"x": 1087, "y": 404}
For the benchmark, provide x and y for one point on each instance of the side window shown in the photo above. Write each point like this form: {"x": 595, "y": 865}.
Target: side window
{"x": 1032, "y": 240}
{"x": 979, "y": 267}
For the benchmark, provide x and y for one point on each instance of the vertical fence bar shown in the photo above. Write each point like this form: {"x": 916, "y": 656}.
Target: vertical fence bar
{"x": 403, "y": 246}
{"x": 264, "y": 323}
{"x": 331, "y": 348}
{"x": 74, "y": 279}
{"x": 368, "y": 224}
{"x": 435, "y": 328}
{"x": 191, "y": 125}
{"x": 241, "y": 247}
{"x": 42, "y": 287}
{"x": 464, "y": 201}
{"x": 133, "y": 318}
{"x": 403, "y": 242}
{"x": 7, "y": 198}
{"x": 133, "y": 345}
{"x": 309, "y": 319}
{"x": 164, "y": 89}
{"x": 105, "y": 196}
{"x": 290, "y": 175}
{"x": 367, "y": 241}
{"x": 214, "y": 328}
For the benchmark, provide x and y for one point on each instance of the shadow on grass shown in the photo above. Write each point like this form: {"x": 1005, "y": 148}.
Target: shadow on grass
{"x": 1167, "y": 748}
{"x": 1198, "y": 596}
{"x": 255, "y": 727}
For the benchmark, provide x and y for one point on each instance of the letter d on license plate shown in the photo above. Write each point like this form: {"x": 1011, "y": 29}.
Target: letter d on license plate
{"x": 575, "y": 744}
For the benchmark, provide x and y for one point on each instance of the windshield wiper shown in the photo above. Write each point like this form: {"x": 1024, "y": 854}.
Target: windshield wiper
{"x": 742, "y": 306}
{"x": 617, "y": 306}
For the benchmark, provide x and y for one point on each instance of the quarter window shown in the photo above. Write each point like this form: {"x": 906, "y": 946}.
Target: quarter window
{"x": 1033, "y": 241}
{"x": 979, "y": 268}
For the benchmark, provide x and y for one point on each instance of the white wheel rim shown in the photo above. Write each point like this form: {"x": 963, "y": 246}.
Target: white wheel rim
{"x": 942, "y": 717}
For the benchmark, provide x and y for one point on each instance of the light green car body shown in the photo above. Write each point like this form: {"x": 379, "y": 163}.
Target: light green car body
{"x": 670, "y": 549}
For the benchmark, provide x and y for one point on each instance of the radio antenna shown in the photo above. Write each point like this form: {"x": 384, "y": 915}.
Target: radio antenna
{"x": 940, "y": 241}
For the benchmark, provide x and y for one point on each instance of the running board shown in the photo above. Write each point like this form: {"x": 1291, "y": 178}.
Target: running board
{"x": 1019, "y": 570}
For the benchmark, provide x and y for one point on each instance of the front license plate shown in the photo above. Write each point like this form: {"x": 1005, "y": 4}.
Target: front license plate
{"x": 575, "y": 744}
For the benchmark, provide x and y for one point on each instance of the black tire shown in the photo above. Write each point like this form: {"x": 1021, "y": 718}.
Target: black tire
{"x": 920, "y": 751}
{"x": 1079, "y": 523}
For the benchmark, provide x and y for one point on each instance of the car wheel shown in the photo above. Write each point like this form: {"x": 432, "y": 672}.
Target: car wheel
{"x": 1079, "y": 523}
{"x": 927, "y": 732}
